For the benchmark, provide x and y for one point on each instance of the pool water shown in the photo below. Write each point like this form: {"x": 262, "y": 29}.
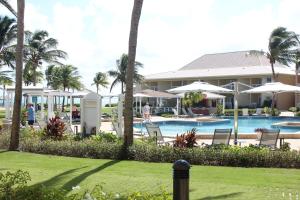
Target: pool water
{"x": 245, "y": 125}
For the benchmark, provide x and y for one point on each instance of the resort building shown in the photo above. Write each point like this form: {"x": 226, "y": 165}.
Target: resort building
{"x": 223, "y": 68}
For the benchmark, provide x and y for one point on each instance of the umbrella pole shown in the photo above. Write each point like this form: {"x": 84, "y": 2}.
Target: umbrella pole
{"x": 235, "y": 113}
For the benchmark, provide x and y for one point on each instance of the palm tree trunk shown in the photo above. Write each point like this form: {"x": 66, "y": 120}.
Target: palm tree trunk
{"x": 3, "y": 94}
{"x": 122, "y": 87}
{"x": 128, "y": 112}
{"x": 14, "y": 139}
{"x": 296, "y": 82}
{"x": 274, "y": 80}
{"x": 97, "y": 86}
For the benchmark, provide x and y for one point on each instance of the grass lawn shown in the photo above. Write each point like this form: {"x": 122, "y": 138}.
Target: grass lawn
{"x": 107, "y": 110}
{"x": 123, "y": 176}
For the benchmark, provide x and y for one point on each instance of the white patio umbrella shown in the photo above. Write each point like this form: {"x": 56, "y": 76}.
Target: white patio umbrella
{"x": 275, "y": 87}
{"x": 199, "y": 86}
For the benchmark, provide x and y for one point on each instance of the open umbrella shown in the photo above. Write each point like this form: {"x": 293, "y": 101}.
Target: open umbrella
{"x": 275, "y": 87}
{"x": 199, "y": 86}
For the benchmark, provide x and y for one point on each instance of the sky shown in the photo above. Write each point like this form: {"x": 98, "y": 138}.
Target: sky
{"x": 172, "y": 33}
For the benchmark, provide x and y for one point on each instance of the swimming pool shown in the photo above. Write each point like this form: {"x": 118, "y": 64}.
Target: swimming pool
{"x": 246, "y": 125}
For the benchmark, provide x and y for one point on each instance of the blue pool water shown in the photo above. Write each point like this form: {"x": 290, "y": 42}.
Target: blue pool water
{"x": 246, "y": 125}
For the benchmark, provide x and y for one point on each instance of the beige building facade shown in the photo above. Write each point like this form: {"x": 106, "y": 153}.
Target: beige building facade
{"x": 223, "y": 68}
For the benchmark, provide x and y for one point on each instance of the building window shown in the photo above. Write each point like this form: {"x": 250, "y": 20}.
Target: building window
{"x": 269, "y": 79}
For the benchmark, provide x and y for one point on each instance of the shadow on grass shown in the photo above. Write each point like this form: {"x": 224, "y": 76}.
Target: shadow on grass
{"x": 3, "y": 151}
{"x": 78, "y": 179}
{"x": 55, "y": 179}
{"x": 223, "y": 196}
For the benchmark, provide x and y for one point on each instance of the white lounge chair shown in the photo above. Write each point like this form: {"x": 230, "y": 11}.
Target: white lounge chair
{"x": 258, "y": 111}
{"x": 177, "y": 115}
{"x": 245, "y": 111}
{"x": 191, "y": 113}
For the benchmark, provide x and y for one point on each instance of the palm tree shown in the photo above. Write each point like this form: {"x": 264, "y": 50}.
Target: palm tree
{"x": 66, "y": 77}
{"x": 100, "y": 80}
{"x": 131, "y": 72}
{"x": 9, "y": 7}
{"x": 29, "y": 76}
{"x": 297, "y": 66}
{"x": 120, "y": 74}
{"x": 191, "y": 98}
{"x": 5, "y": 80}
{"x": 14, "y": 139}
{"x": 49, "y": 72}
{"x": 40, "y": 48}
{"x": 8, "y": 31}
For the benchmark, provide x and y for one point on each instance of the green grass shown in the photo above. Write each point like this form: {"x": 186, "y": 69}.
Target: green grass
{"x": 107, "y": 110}
{"x": 125, "y": 176}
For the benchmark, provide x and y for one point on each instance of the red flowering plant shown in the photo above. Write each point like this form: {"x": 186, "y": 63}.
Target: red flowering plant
{"x": 55, "y": 128}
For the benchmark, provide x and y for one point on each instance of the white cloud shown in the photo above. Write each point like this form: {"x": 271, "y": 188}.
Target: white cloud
{"x": 171, "y": 33}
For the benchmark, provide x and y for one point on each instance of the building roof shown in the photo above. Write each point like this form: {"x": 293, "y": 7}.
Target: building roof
{"x": 222, "y": 65}
{"x": 219, "y": 73}
{"x": 157, "y": 94}
{"x": 230, "y": 59}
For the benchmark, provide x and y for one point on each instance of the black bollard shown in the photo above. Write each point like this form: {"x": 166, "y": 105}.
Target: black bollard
{"x": 181, "y": 175}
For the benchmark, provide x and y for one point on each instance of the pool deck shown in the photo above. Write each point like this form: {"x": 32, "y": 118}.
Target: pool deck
{"x": 244, "y": 139}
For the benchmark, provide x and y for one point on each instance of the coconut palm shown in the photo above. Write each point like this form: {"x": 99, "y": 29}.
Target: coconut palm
{"x": 191, "y": 98}
{"x": 120, "y": 74}
{"x": 8, "y": 6}
{"x": 40, "y": 48}
{"x": 131, "y": 72}
{"x": 5, "y": 79}
{"x": 15, "y": 129}
{"x": 280, "y": 48}
{"x": 100, "y": 80}
{"x": 29, "y": 75}
{"x": 66, "y": 77}
{"x": 297, "y": 66}
{"x": 49, "y": 72}
{"x": 8, "y": 30}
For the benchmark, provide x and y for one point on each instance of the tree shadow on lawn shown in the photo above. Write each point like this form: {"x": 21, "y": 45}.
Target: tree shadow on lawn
{"x": 223, "y": 196}
{"x": 4, "y": 151}
{"x": 78, "y": 179}
{"x": 55, "y": 179}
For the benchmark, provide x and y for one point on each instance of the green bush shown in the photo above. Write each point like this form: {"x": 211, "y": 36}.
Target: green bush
{"x": 167, "y": 115}
{"x": 146, "y": 151}
{"x": 293, "y": 109}
{"x": 14, "y": 186}
{"x": 111, "y": 105}
{"x": 105, "y": 137}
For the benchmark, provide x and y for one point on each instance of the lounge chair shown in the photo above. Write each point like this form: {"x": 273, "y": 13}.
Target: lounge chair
{"x": 245, "y": 111}
{"x": 269, "y": 138}
{"x": 191, "y": 113}
{"x": 154, "y": 132}
{"x": 185, "y": 112}
{"x": 258, "y": 111}
{"x": 222, "y": 136}
{"x": 177, "y": 115}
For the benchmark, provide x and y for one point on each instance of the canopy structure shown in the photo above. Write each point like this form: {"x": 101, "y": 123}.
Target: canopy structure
{"x": 201, "y": 87}
{"x": 158, "y": 94}
{"x": 275, "y": 87}
{"x": 208, "y": 95}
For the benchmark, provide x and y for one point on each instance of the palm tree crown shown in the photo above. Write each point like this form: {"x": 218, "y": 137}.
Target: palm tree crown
{"x": 120, "y": 74}
{"x": 100, "y": 80}
{"x": 8, "y": 31}
{"x": 40, "y": 48}
{"x": 9, "y": 7}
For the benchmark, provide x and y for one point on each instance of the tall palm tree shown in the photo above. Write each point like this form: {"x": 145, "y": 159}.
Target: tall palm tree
{"x": 100, "y": 80}
{"x": 5, "y": 79}
{"x": 120, "y": 74}
{"x": 8, "y": 31}
{"x": 9, "y": 7}
{"x": 14, "y": 139}
{"x": 297, "y": 66}
{"x": 29, "y": 76}
{"x": 49, "y": 72}
{"x": 40, "y": 48}
{"x": 66, "y": 77}
{"x": 130, "y": 72}
{"x": 191, "y": 98}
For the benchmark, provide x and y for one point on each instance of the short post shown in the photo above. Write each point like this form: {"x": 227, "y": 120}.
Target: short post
{"x": 181, "y": 175}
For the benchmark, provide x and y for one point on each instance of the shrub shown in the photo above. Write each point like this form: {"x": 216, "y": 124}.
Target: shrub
{"x": 186, "y": 140}
{"x": 111, "y": 105}
{"x": 167, "y": 115}
{"x": 55, "y": 128}
{"x": 14, "y": 186}
{"x": 293, "y": 109}
{"x": 105, "y": 137}
{"x": 219, "y": 111}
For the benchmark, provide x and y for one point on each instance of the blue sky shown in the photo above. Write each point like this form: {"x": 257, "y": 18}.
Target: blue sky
{"x": 172, "y": 32}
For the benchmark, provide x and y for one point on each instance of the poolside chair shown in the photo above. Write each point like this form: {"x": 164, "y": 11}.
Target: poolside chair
{"x": 185, "y": 112}
{"x": 222, "y": 136}
{"x": 154, "y": 132}
{"x": 177, "y": 115}
{"x": 191, "y": 113}
{"x": 258, "y": 111}
{"x": 245, "y": 111}
{"x": 269, "y": 138}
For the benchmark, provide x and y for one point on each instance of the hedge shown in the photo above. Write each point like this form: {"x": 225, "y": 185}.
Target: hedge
{"x": 141, "y": 151}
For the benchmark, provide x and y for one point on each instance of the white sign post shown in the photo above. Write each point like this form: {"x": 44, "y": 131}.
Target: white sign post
{"x": 90, "y": 113}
